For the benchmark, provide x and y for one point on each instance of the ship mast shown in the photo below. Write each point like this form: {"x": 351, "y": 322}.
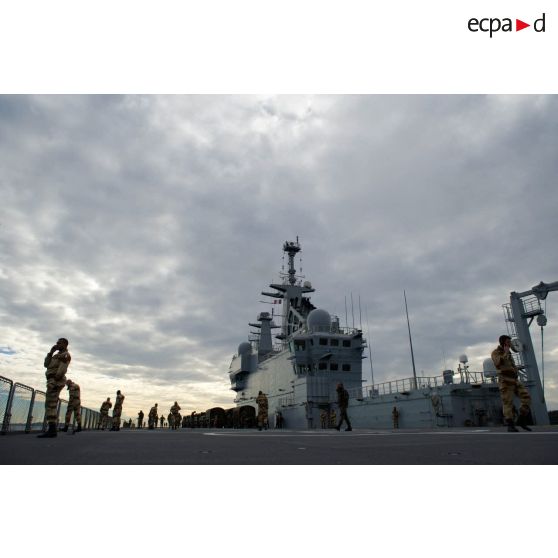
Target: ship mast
{"x": 291, "y": 248}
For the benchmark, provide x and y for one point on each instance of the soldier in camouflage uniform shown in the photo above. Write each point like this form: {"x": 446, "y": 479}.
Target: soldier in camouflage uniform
{"x": 343, "y": 403}
{"x": 162, "y": 421}
{"x": 74, "y": 405}
{"x": 261, "y": 400}
{"x": 509, "y": 385}
{"x": 176, "y": 415}
{"x": 56, "y": 366}
{"x": 332, "y": 419}
{"x": 323, "y": 418}
{"x": 104, "y": 410}
{"x": 140, "y": 419}
{"x": 395, "y": 417}
{"x": 152, "y": 417}
{"x": 117, "y": 411}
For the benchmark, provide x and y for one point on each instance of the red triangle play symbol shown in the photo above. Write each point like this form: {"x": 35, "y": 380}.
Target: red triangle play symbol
{"x": 519, "y": 25}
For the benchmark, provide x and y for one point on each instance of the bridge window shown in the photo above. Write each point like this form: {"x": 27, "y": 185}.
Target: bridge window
{"x": 346, "y": 368}
{"x": 322, "y": 366}
{"x": 334, "y": 342}
{"x": 333, "y": 366}
{"x": 323, "y": 341}
{"x": 300, "y": 345}
{"x": 346, "y": 342}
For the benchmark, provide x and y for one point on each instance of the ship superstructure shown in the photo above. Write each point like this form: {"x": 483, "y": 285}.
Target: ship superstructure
{"x": 300, "y": 366}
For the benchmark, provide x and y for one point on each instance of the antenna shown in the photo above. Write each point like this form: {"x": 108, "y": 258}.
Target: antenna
{"x": 352, "y": 310}
{"x": 369, "y": 342}
{"x": 346, "y": 320}
{"x": 359, "y": 312}
{"x": 410, "y": 339}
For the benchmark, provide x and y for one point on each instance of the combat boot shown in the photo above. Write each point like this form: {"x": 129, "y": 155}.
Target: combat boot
{"x": 348, "y": 429}
{"x": 78, "y": 428}
{"x": 522, "y": 422}
{"x": 338, "y": 428}
{"x": 511, "y": 426}
{"x": 65, "y": 429}
{"x": 50, "y": 433}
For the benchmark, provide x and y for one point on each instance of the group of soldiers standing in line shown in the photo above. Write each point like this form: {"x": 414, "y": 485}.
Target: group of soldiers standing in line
{"x": 174, "y": 418}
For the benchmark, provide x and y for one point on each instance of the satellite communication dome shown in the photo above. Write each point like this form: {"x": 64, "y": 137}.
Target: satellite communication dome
{"x": 307, "y": 284}
{"x": 244, "y": 348}
{"x": 463, "y": 359}
{"x": 319, "y": 319}
{"x": 488, "y": 367}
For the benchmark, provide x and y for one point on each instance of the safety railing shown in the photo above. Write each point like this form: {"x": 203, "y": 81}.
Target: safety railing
{"x": 410, "y": 384}
{"x": 22, "y": 409}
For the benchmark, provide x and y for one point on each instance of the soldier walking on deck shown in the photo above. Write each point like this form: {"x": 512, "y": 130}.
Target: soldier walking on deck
{"x": 509, "y": 385}
{"x": 343, "y": 402}
{"x": 261, "y": 400}
{"x": 103, "y": 420}
{"x": 56, "y": 366}
{"x": 74, "y": 405}
{"x": 117, "y": 412}
{"x": 140, "y": 419}
{"x": 395, "y": 417}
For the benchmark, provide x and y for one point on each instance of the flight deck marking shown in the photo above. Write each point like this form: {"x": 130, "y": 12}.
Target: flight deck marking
{"x": 357, "y": 434}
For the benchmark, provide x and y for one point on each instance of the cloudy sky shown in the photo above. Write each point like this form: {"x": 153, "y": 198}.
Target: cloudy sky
{"x": 144, "y": 229}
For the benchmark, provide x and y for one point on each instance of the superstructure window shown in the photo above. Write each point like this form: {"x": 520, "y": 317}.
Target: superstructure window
{"x": 322, "y": 366}
{"x": 323, "y": 341}
{"x": 333, "y": 366}
{"x": 346, "y": 368}
{"x": 346, "y": 342}
{"x": 300, "y": 345}
{"x": 334, "y": 342}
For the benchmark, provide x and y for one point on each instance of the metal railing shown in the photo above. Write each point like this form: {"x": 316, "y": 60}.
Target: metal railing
{"x": 22, "y": 409}
{"x": 410, "y": 384}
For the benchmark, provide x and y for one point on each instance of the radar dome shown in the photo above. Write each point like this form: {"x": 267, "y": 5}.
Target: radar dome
{"x": 244, "y": 348}
{"x": 307, "y": 284}
{"x": 463, "y": 359}
{"x": 319, "y": 319}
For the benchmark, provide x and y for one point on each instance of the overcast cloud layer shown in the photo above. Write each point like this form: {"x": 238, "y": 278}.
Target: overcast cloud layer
{"x": 144, "y": 229}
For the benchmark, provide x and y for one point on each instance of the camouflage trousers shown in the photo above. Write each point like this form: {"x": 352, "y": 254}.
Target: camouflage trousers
{"x": 53, "y": 389}
{"x": 395, "y": 422}
{"x": 74, "y": 406}
{"x": 262, "y": 418}
{"x": 103, "y": 421}
{"x": 509, "y": 387}
{"x": 116, "y": 417}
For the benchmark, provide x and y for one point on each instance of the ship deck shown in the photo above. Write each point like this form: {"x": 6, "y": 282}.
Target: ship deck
{"x": 481, "y": 446}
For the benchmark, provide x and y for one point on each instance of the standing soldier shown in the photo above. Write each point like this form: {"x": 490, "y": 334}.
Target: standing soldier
{"x": 261, "y": 400}
{"x": 176, "y": 415}
{"x": 56, "y": 366}
{"x": 332, "y": 419}
{"x": 395, "y": 417}
{"x": 103, "y": 421}
{"x": 74, "y": 405}
{"x": 170, "y": 421}
{"x": 509, "y": 385}
{"x": 140, "y": 419}
{"x": 343, "y": 402}
{"x": 162, "y": 420}
{"x": 152, "y": 417}
{"x": 323, "y": 418}
{"x": 117, "y": 411}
